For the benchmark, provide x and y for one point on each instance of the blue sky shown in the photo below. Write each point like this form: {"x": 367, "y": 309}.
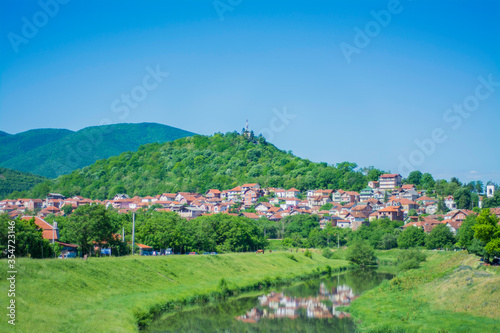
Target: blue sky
{"x": 231, "y": 60}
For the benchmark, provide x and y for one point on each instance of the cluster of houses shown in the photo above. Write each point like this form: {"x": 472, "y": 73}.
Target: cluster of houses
{"x": 278, "y": 305}
{"x": 385, "y": 198}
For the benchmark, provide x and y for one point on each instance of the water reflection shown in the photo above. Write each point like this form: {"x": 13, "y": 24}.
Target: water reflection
{"x": 311, "y": 306}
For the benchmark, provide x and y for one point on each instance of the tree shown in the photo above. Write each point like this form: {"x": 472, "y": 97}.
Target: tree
{"x": 465, "y": 235}
{"x": 479, "y": 187}
{"x": 463, "y": 198}
{"x": 427, "y": 181}
{"x": 442, "y": 206}
{"x": 388, "y": 241}
{"x": 361, "y": 253}
{"x": 487, "y": 230}
{"x": 492, "y": 202}
{"x": 90, "y": 224}
{"x": 29, "y": 240}
{"x": 412, "y": 212}
{"x": 414, "y": 177}
{"x": 411, "y": 237}
{"x": 67, "y": 209}
{"x": 440, "y": 237}
{"x": 327, "y": 206}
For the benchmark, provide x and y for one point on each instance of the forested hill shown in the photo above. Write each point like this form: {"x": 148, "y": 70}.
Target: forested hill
{"x": 54, "y": 152}
{"x": 12, "y": 181}
{"x": 199, "y": 163}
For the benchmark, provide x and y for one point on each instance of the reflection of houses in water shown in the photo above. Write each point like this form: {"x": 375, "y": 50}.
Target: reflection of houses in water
{"x": 280, "y": 306}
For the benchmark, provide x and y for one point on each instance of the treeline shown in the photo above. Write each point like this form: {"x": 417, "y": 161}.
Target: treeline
{"x": 198, "y": 163}
{"x": 16, "y": 183}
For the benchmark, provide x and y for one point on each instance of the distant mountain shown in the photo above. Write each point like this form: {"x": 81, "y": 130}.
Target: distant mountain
{"x": 12, "y": 181}
{"x": 2, "y": 134}
{"x": 199, "y": 163}
{"x": 54, "y": 152}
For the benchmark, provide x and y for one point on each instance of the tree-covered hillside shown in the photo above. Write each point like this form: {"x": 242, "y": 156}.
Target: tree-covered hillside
{"x": 54, "y": 152}
{"x": 16, "y": 182}
{"x": 199, "y": 163}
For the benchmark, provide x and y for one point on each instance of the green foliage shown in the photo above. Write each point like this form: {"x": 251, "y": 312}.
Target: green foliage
{"x": 465, "y": 234}
{"x": 28, "y": 240}
{"x": 492, "y": 202}
{"x": 440, "y": 237}
{"x": 326, "y": 206}
{"x": 327, "y": 253}
{"x": 414, "y": 178}
{"x": 463, "y": 198}
{"x": 412, "y": 212}
{"x": 300, "y": 224}
{"x": 411, "y": 237}
{"x": 376, "y": 232}
{"x": 308, "y": 254}
{"x": 53, "y": 152}
{"x": 361, "y": 253}
{"x": 171, "y": 167}
{"x": 15, "y": 184}
{"x": 90, "y": 224}
{"x": 487, "y": 230}
{"x": 410, "y": 259}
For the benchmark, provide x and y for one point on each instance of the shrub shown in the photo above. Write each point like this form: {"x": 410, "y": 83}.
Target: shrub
{"x": 308, "y": 254}
{"x": 327, "y": 253}
{"x": 410, "y": 259}
{"x": 361, "y": 253}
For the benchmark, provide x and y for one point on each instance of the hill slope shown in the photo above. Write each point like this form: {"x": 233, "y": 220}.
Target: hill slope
{"x": 199, "y": 163}
{"x": 12, "y": 180}
{"x": 53, "y": 152}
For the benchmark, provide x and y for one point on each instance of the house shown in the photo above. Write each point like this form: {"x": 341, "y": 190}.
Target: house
{"x": 253, "y": 186}
{"x": 344, "y": 224}
{"x": 252, "y": 216}
{"x": 410, "y": 195}
{"x": 424, "y": 200}
{"x": 458, "y": 214}
{"x": 366, "y": 194}
{"x": 407, "y": 187}
{"x": 234, "y": 193}
{"x": 57, "y": 196}
{"x": 292, "y": 193}
{"x": 49, "y": 231}
{"x": 373, "y": 184}
{"x": 407, "y": 204}
{"x": 213, "y": 193}
{"x": 121, "y": 196}
{"x": 168, "y": 197}
{"x": 450, "y": 202}
{"x": 263, "y": 207}
{"x": 337, "y": 196}
{"x": 394, "y": 213}
{"x": 34, "y": 204}
{"x": 144, "y": 250}
{"x": 251, "y": 196}
{"x": 389, "y": 181}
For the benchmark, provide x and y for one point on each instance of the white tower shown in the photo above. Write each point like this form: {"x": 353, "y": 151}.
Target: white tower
{"x": 490, "y": 190}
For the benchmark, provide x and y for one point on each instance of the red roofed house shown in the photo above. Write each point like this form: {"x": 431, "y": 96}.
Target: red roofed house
{"x": 394, "y": 213}
{"x": 50, "y": 232}
{"x": 389, "y": 181}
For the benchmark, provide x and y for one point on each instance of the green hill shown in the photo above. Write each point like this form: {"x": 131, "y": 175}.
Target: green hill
{"x": 199, "y": 163}
{"x": 54, "y": 152}
{"x": 16, "y": 181}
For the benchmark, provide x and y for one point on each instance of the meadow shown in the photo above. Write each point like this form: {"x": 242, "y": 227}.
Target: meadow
{"x": 117, "y": 294}
{"x": 450, "y": 292}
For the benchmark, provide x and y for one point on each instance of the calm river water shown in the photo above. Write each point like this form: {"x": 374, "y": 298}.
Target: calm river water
{"x": 305, "y": 307}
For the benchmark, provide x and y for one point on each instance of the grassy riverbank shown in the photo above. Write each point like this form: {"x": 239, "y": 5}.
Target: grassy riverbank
{"x": 449, "y": 293}
{"x": 108, "y": 294}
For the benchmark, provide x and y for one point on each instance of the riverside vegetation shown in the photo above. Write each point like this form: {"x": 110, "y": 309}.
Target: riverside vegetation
{"x": 119, "y": 294}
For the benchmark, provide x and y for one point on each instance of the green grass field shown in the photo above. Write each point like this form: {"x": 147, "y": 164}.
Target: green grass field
{"x": 106, "y": 294}
{"x": 449, "y": 293}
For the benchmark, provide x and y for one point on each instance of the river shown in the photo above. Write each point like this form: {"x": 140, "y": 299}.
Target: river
{"x": 310, "y": 306}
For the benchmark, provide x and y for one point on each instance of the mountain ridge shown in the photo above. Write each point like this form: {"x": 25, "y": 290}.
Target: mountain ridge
{"x": 53, "y": 152}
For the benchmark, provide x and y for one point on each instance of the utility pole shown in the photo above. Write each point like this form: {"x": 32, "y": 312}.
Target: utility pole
{"x": 133, "y": 232}
{"x": 338, "y": 241}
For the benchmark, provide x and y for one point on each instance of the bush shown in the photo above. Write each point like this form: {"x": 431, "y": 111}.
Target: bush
{"x": 308, "y": 254}
{"x": 361, "y": 253}
{"x": 327, "y": 253}
{"x": 410, "y": 259}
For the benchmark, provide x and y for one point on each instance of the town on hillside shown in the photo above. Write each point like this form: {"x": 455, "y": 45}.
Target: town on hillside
{"x": 386, "y": 198}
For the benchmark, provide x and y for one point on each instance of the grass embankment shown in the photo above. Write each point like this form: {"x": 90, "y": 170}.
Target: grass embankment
{"x": 450, "y": 292}
{"x": 113, "y": 294}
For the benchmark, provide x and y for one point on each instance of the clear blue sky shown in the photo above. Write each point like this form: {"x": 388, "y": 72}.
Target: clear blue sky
{"x": 231, "y": 60}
